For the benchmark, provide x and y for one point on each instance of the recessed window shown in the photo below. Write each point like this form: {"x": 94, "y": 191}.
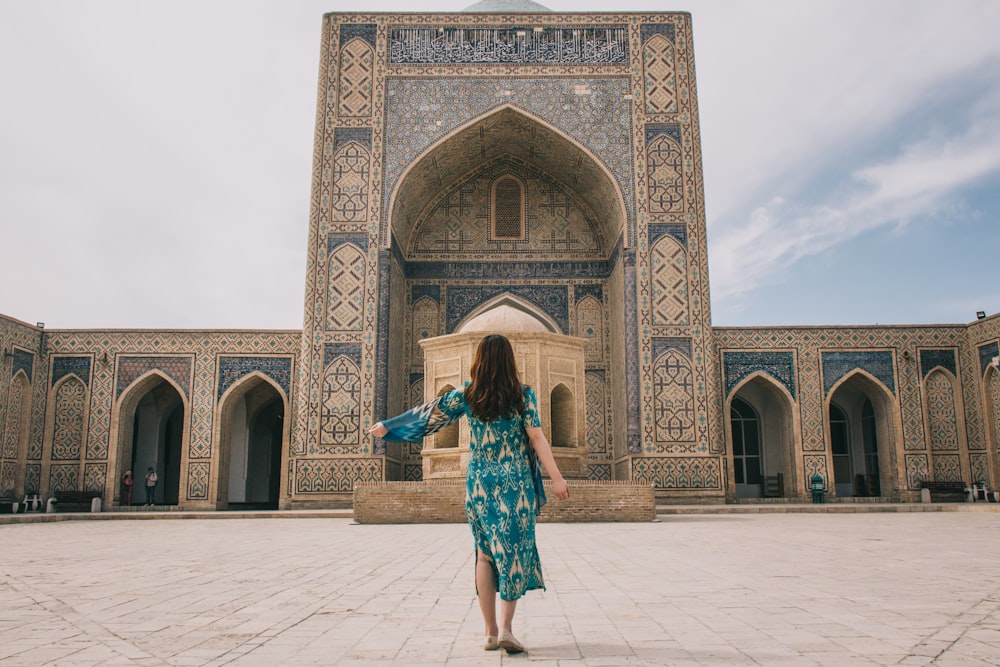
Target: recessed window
{"x": 508, "y": 210}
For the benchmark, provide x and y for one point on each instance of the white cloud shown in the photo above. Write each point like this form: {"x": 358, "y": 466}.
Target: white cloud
{"x": 923, "y": 178}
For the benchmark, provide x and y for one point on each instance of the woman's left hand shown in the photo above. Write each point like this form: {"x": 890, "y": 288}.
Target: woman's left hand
{"x": 561, "y": 488}
{"x": 378, "y": 430}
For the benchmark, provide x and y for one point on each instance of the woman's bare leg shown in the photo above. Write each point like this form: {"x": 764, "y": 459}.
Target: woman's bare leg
{"x": 486, "y": 589}
{"x": 507, "y": 609}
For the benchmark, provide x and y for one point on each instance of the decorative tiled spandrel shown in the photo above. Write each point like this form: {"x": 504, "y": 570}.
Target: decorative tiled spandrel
{"x": 177, "y": 369}
{"x": 879, "y": 364}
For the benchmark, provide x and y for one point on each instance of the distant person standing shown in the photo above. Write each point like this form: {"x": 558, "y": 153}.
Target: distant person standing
{"x": 127, "y": 484}
{"x": 151, "y": 480}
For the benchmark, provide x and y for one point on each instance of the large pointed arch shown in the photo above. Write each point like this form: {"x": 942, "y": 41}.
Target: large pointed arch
{"x": 505, "y": 129}
{"x": 990, "y": 468}
{"x": 780, "y": 430}
{"x": 888, "y": 427}
{"x": 222, "y": 434}
{"x": 122, "y": 424}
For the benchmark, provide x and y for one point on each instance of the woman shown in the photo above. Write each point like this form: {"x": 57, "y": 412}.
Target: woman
{"x": 503, "y": 481}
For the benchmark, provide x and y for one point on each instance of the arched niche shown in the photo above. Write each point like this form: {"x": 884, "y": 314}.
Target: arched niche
{"x": 868, "y": 439}
{"x": 762, "y": 403}
{"x": 150, "y": 423}
{"x": 522, "y": 138}
{"x": 253, "y": 435}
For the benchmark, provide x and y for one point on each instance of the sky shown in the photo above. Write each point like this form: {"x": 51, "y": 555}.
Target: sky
{"x": 155, "y": 158}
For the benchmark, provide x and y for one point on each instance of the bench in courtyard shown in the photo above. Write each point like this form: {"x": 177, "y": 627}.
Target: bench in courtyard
{"x": 947, "y": 492}
{"x": 75, "y": 501}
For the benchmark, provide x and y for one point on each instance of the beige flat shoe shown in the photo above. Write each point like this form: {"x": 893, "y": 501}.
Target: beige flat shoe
{"x": 507, "y": 642}
{"x": 491, "y": 643}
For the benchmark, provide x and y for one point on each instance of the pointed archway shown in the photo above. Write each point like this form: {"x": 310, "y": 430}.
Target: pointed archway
{"x": 253, "y": 438}
{"x": 152, "y": 432}
{"x": 862, "y": 436}
{"x": 991, "y": 410}
{"x": 761, "y": 443}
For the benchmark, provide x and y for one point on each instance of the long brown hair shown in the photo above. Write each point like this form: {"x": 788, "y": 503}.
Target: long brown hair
{"x": 495, "y": 391}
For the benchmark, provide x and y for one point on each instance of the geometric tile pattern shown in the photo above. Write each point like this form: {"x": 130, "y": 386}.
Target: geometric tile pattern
{"x": 779, "y": 365}
{"x": 660, "y": 81}
{"x": 345, "y": 289}
{"x": 664, "y": 171}
{"x": 63, "y": 366}
{"x": 553, "y": 300}
{"x": 941, "y": 414}
{"x": 838, "y": 364}
{"x": 70, "y": 407}
{"x": 425, "y": 325}
{"x": 930, "y": 359}
{"x": 17, "y": 394}
{"x": 198, "y": 480}
{"x": 980, "y": 468}
{"x": 341, "y": 406}
{"x": 94, "y": 476}
{"x": 590, "y": 327}
{"x": 457, "y": 227}
{"x": 599, "y": 472}
{"x": 660, "y": 229}
{"x": 668, "y": 269}
{"x": 22, "y": 361}
{"x": 596, "y": 417}
{"x": 278, "y": 369}
{"x": 986, "y": 354}
{"x": 688, "y": 472}
{"x": 356, "y": 79}
{"x": 64, "y": 477}
{"x": 947, "y": 468}
{"x": 916, "y": 470}
{"x": 32, "y": 478}
{"x": 8, "y": 473}
{"x": 176, "y": 368}
{"x": 815, "y": 465}
{"x": 331, "y": 475}
{"x": 349, "y": 190}
{"x": 673, "y": 400}
{"x": 993, "y": 410}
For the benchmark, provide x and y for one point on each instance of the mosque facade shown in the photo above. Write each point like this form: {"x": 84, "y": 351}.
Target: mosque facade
{"x": 517, "y": 170}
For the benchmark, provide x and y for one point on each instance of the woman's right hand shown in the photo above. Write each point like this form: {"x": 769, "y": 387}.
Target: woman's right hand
{"x": 561, "y": 488}
{"x": 378, "y": 430}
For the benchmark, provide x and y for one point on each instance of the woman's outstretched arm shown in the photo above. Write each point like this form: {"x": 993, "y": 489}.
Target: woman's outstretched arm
{"x": 541, "y": 446}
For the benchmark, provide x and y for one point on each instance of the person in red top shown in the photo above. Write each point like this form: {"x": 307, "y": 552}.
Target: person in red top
{"x": 127, "y": 484}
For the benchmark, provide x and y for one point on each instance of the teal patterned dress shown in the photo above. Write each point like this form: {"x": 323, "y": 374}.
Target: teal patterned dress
{"x": 503, "y": 484}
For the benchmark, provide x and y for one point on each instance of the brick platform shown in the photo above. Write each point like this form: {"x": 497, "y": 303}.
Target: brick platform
{"x": 443, "y": 501}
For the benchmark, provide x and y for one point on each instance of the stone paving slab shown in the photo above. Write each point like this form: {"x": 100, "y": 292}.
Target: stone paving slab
{"x": 737, "y": 589}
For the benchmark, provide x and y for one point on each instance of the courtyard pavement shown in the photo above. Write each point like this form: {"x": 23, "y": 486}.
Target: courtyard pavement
{"x": 767, "y": 589}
